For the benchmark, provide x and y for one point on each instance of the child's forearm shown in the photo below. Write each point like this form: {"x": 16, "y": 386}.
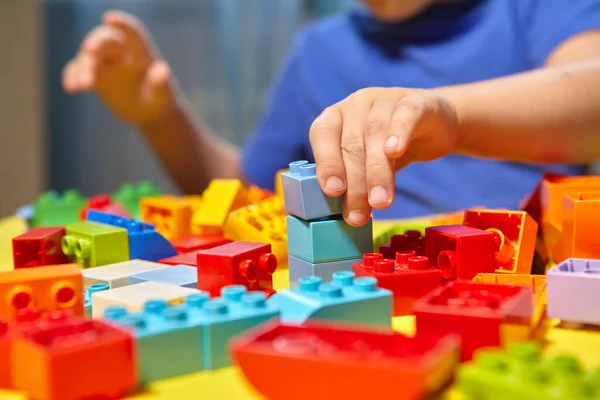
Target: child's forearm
{"x": 550, "y": 115}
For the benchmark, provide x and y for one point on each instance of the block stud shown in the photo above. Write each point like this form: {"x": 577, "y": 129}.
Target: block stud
{"x": 343, "y": 278}
{"x": 309, "y": 283}
{"x": 254, "y": 300}
{"x": 233, "y": 292}
{"x": 197, "y": 300}
{"x": 295, "y": 166}
{"x": 308, "y": 170}
{"x": 331, "y": 290}
{"x": 216, "y": 307}
{"x": 155, "y": 306}
{"x": 366, "y": 284}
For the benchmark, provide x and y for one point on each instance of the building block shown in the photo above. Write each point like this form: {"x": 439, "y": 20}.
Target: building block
{"x": 117, "y": 275}
{"x": 54, "y": 209}
{"x": 238, "y": 263}
{"x": 339, "y": 362}
{"x": 574, "y": 291}
{"x": 73, "y": 359}
{"x": 220, "y": 198}
{"x": 256, "y": 194}
{"x": 40, "y": 246}
{"x": 263, "y": 222}
{"x": 179, "y": 275}
{"x": 461, "y": 252}
{"x": 6, "y": 342}
{"x": 87, "y": 296}
{"x": 483, "y": 315}
{"x": 279, "y": 182}
{"x": 344, "y": 299}
{"x": 91, "y": 244}
{"x": 532, "y": 204}
{"x": 409, "y": 277}
{"x": 408, "y": 241}
{"x": 298, "y": 268}
{"x": 55, "y": 287}
{"x": 303, "y": 196}
{"x": 515, "y": 233}
{"x": 193, "y": 243}
{"x": 579, "y": 227}
{"x": 522, "y": 373}
{"x": 145, "y": 243}
{"x": 397, "y": 230}
{"x": 171, "y": 216}
{"x": 130, "y": 194}
{"x": 133, "y": 297}
{"x": 328, "y": 240}
{"x": 103, "y": 203}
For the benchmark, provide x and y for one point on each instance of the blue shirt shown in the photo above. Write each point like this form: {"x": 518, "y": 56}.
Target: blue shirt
{"x": 467, "y": 41}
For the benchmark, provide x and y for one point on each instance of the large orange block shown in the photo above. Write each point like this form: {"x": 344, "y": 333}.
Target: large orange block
{"x": 171, "y": 215}
{"x": 580, "y": 224}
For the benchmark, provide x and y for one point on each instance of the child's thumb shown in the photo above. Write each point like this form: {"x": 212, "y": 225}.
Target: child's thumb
{"x": 157, "y": 89}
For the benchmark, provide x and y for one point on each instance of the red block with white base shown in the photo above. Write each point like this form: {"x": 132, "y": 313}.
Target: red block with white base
{"x": 40, "y": 246}
{"x": 409, "y": 277}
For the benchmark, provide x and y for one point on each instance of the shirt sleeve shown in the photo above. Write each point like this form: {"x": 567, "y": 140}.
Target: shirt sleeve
{"x": 551, "y": 22}
{"x": 281, "y": 133}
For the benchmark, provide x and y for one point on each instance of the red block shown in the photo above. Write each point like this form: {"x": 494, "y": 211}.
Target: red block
{"x": 236, "y": 263}
{"x": 483, "y": 315}
{"x": 6, "y": 341}
{"x": 193, "y": 243}
{"x": 409, "y": 241}
{"x": 104, "y": 203}
{"x": 73, "y": 359}
{"x": 39, "y": 246}
{"x": 409, "y": 277}
{"x": 461, "y": 252}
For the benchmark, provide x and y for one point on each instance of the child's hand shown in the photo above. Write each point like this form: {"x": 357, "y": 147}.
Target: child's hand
{"x": 360, "y": 142}
{"x": 118, "y": 60}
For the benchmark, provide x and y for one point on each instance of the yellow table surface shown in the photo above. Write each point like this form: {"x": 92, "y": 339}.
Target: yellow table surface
{"x": 228, "y": 383}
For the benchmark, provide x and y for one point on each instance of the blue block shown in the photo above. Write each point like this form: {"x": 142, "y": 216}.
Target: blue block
{"x": 328, "y": 239}
{"x": 345, "y": 299}
{"x": 87, "y": 296}
{"x": 178, "y": 275}
{"x": 145, "y": 243}
{"x": 298, "y": 268}
{"x": 302, "y": 195}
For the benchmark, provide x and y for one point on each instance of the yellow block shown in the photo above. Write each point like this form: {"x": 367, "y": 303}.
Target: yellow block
{"x": 220, "y": 198}
{"x": 279, "y": 182}
{"x": 9, "y": 228}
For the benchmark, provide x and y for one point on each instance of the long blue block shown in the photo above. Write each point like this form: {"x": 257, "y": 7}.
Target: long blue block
{"x": 178, "y": 275}
{"x": 328, "y": 239}
{"x": 298, "y": 268}
{"x": 302, "y": 195}
{"x": 345, "y": 299}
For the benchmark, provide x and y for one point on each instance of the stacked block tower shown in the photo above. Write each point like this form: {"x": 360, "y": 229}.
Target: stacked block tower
{"x": 320, "y": 242}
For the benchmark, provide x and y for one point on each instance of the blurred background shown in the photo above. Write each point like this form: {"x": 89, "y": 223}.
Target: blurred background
{"x": 224, "y": 52}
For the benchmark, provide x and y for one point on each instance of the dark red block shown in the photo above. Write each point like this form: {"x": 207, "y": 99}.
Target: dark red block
{"x": 409, "y": 277}
{"x": 409, "y": 241}
{"x": 193, "y": 243}
{"x": 104, "y": 203}
{"x": 39, "y": 246}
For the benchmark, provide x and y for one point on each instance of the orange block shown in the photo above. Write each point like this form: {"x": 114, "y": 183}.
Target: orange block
{"x": 172, "y": 216}
{"x": 256, "y": 194}
{"x": 552, "y": 192}
{"x": 279, "y": 182}
{"x": 51, "y": 288}
{"x": 581, "y": 219}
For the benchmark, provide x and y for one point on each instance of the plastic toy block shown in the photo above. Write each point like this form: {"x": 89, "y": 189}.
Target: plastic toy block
{"x": 103, "y": 203}
{"x": 117, "y": 275}
{"x": 87, "y": 296}
{"x": 39, "y": 246}
{"x": 53, "y": 209}
{"x": 192, "y": 243}
{"x": 256, "y": 194}
{"x": 303, "y": 196}
{"x": 55, "y": 287}
{"x": 339, "y": 362}
{"x": 238, "y": 263}
{"x": 579, "y": 227}
{"x": 73, "y": 359}
{"x": 552, "y": 192}
{"x": 521, "y": 373}
{"x": 328, "y": 240}
{"x": 171, "y": 216}
{"x": 91, "y": 244}
{"x": 345, "y": 299}
{"x": 298, "y": 268}
{"x": 409, "y": 277}
{"x": 386, "y": 236}
{"x": 220, "y": 198}
{"x": 515, "y": 233}
{"x": 6, "y": 342}
{"x": 574, "y": 291}
{"x": 532, "y": 204}
{"x": 263, "y": 222}
{"x": 179, "y": 275}
{"x": 461, "y": 252}
{"x": 483, "y": 315}
{"x": 408, "y": 241}
{"x": 130, "y": 194}
{"x": 145, "y": 243}
{"x": 25, "y": 213}
{"x": 279, "y": 182}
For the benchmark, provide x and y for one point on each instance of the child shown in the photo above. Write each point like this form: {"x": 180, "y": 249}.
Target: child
{"x": 516, "y": 81}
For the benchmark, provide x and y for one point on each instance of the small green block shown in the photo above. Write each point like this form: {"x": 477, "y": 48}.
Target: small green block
{"x": 54, "y": 209}
{"x": 130, "y": 194}
{"x": 91, "y": 244}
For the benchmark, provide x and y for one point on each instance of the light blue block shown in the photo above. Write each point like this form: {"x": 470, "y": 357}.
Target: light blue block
{"x": 87, "y": 296}
{"x": 178, "y": 275}
{"x": 328, "y": 239}
{"x": 302, "y": 195}
{"x": 345, "y": 299}
{"x": 298, "y": 268}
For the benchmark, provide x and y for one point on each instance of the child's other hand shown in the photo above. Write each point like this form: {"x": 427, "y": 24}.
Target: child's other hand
{"x": 360, "y": 143}
{"x": 118, "y": 60}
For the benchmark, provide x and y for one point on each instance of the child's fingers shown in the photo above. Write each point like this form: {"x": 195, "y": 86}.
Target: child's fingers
{"x": 86, "y": 72}
{"x": 408, "y": 114}
{"x": 69, "y": 77}
{"x": 134, "y": 31}
{"x": 104, "y": 43}
{"x": 156, "y": 88}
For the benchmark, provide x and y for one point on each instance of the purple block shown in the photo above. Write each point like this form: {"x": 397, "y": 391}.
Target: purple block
{"x": 573, "y": 289}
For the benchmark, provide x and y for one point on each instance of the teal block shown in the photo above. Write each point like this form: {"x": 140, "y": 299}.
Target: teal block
{"x": 87, "y": 296}
{"x": 54, "y": 209}
{"x": 328, "y": 239}
{"x": 345, "y": 299}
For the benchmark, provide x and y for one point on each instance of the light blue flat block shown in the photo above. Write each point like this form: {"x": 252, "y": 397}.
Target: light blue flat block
{"x": 328, "y": 240}
{"x": 298, "y": 268}
{"x": 303, "y": 196}
{"x": 178, "y": 275}
{"x": 345, "y": 299}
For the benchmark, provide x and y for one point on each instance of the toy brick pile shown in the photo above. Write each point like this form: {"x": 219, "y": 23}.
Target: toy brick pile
{"x": 112, "y": 293}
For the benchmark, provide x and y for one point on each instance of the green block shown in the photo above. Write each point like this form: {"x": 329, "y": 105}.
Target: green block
{"x": 91, "y": 244}
{"x": 523, "y": 374}
{"x": 130, "y": 194}
{"x": 385, "y": 237}
{"x": 53, "y": 209}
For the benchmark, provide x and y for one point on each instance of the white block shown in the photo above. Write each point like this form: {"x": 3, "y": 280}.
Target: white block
{"x": 117, "y": 275}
